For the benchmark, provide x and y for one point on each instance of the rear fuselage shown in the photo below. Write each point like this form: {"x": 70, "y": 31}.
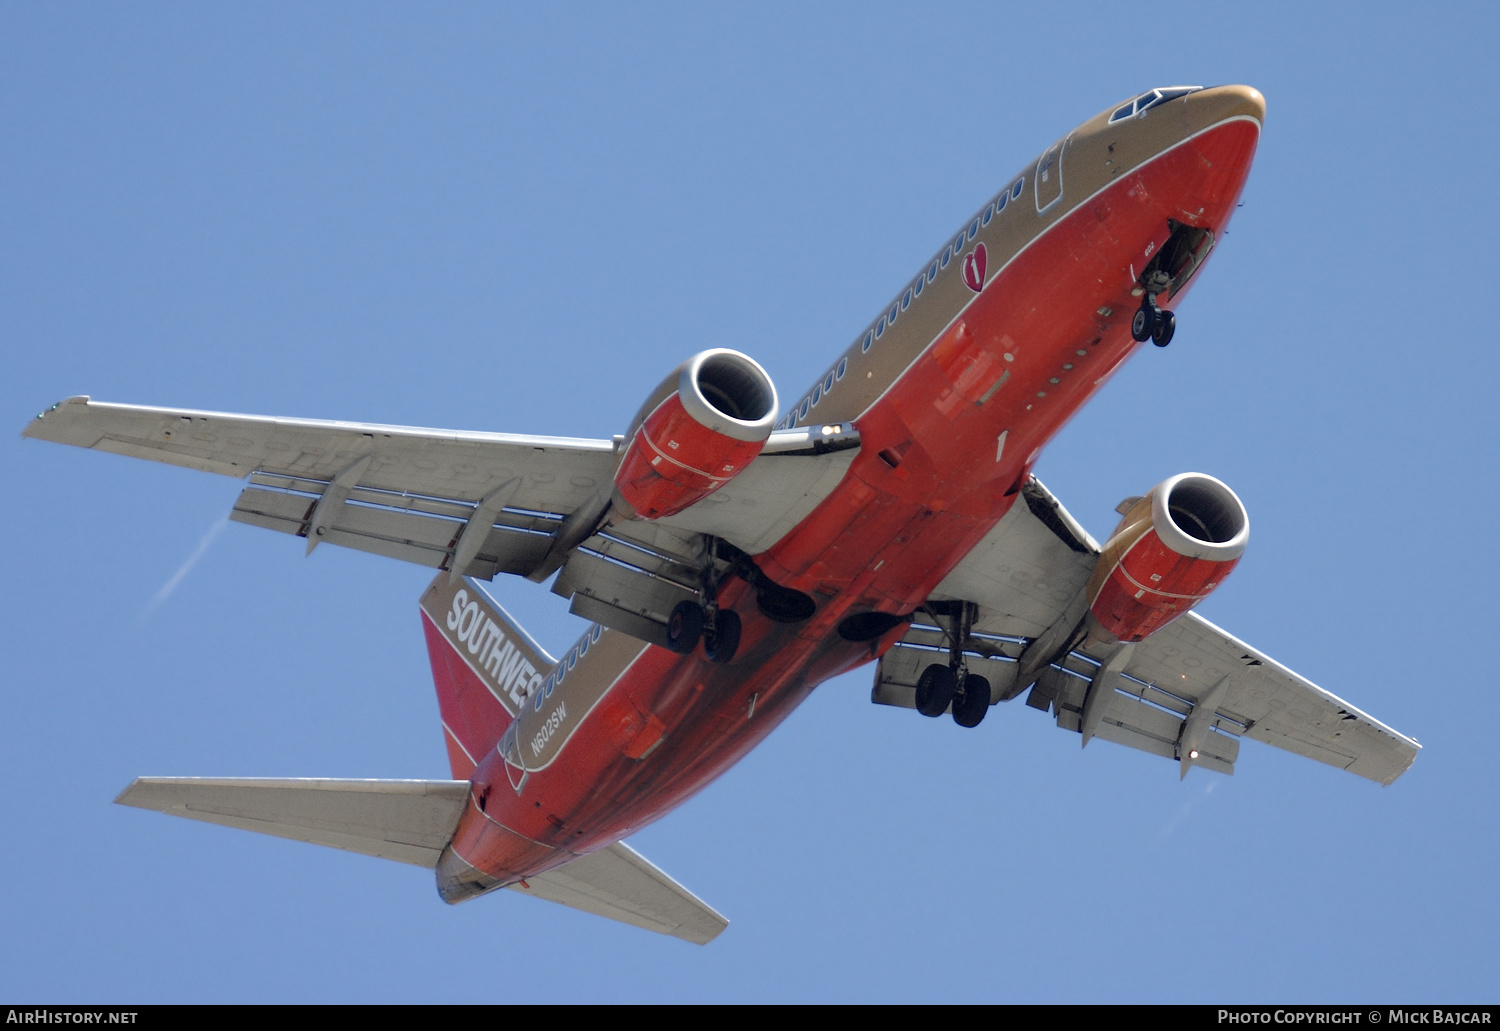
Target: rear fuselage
{"x": 954, "y": 389}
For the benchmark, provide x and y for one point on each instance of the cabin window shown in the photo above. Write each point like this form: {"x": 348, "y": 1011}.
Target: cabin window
{"x": 869, "y": 339}
{"x": 843, "y": 368}
{"x": 989, "y": 213}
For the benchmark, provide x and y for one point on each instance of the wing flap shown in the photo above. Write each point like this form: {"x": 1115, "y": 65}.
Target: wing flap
{"x": 410, "y": 821}
{"x": 619, "y": 883}
{"x": 421, "y": 530}
{"x": 1135, "y": 723}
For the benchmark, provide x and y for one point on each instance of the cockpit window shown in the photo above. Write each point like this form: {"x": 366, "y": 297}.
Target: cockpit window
{"x": 1146, "y": 101}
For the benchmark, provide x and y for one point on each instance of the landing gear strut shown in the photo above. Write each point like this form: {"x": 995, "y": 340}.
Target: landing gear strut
{"x": 719, "y": 629}
{"x": 941, "y": 686}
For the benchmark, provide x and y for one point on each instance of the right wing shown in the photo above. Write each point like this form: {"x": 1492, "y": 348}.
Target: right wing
{"x": 398, "y": 491}
{"x": 475, "y": 504}
{"x": 412, "y": 821}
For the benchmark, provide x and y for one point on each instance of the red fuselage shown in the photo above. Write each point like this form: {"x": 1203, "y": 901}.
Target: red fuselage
{"x": 945, "y": 446}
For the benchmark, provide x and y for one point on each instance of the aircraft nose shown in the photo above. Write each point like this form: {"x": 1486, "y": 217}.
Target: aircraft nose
{"x": 1220, "y": 102}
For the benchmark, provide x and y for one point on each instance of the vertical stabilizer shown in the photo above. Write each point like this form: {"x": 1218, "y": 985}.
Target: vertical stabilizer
{"x": 483, "y": 666}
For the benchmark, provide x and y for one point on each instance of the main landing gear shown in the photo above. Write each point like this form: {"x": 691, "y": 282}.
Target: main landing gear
{"x": 941, "y": 686}
{"x": 719, "y": 630}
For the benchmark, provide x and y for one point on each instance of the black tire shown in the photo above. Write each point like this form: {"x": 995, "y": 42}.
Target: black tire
{"x": 935, "y": 690}
{"x": 785, "y": 605}
{"x": 867, "y": 626}
{"x": 684, "y": 627}
{"x": 1166, "y": 325}
{"x": 726, "y": 637}
{"x": 1144, "y": 324}
{"x": 969, "y": 710}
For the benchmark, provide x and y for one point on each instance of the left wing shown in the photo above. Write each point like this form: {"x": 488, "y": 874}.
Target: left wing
{"x": 1179, "y": 668}
{"x": 1188, "y": 692}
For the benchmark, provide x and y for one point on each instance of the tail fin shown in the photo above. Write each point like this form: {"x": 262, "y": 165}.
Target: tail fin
{"x": 483, "y": 666}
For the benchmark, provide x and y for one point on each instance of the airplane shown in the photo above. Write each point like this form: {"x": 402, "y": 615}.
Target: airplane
{"x": 730, "y": 556}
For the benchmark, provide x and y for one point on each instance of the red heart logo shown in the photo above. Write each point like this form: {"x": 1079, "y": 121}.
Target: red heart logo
{"x": 974, "y": 263}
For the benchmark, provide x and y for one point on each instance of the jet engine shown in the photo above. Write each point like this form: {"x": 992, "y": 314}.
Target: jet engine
{"x": 1171, "y": 549}
{"x": 697, "y": 430}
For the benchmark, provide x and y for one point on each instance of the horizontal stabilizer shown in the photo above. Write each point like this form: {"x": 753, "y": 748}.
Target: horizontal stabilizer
{"x": 619, "y": 883}
{"x": 410, "y": 821}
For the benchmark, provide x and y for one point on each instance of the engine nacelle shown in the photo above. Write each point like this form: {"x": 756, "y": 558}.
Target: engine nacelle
{"x": 702, "y": 426}
{"x": 1170, "y": 551}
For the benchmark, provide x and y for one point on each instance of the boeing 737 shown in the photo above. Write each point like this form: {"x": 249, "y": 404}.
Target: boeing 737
{"x": 730, "y": 556}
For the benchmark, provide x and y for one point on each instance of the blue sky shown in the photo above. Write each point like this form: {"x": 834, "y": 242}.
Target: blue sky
{"x": 505, "y": 218}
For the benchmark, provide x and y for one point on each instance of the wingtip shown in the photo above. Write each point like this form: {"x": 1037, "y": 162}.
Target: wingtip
{"x": 32, "y": 428}
{"x": 123, "y": 797}
{"x": 706, "y": 938}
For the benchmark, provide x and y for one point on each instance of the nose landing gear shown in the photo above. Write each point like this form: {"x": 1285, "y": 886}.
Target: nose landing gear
{"x": 1153, "y": 323}
{"x": 1168, "y": 272}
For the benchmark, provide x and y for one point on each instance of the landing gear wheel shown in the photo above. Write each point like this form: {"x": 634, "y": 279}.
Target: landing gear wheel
{"x": 785, "y": 605}
{"x": 970, "y": 709}
{"x": 684, "y": 627}
{"x": 721, "y": 644}
{"x": 1144, "y": 324}
{"x": 935, "y": 690}
{"x": 1166, "y": 325}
